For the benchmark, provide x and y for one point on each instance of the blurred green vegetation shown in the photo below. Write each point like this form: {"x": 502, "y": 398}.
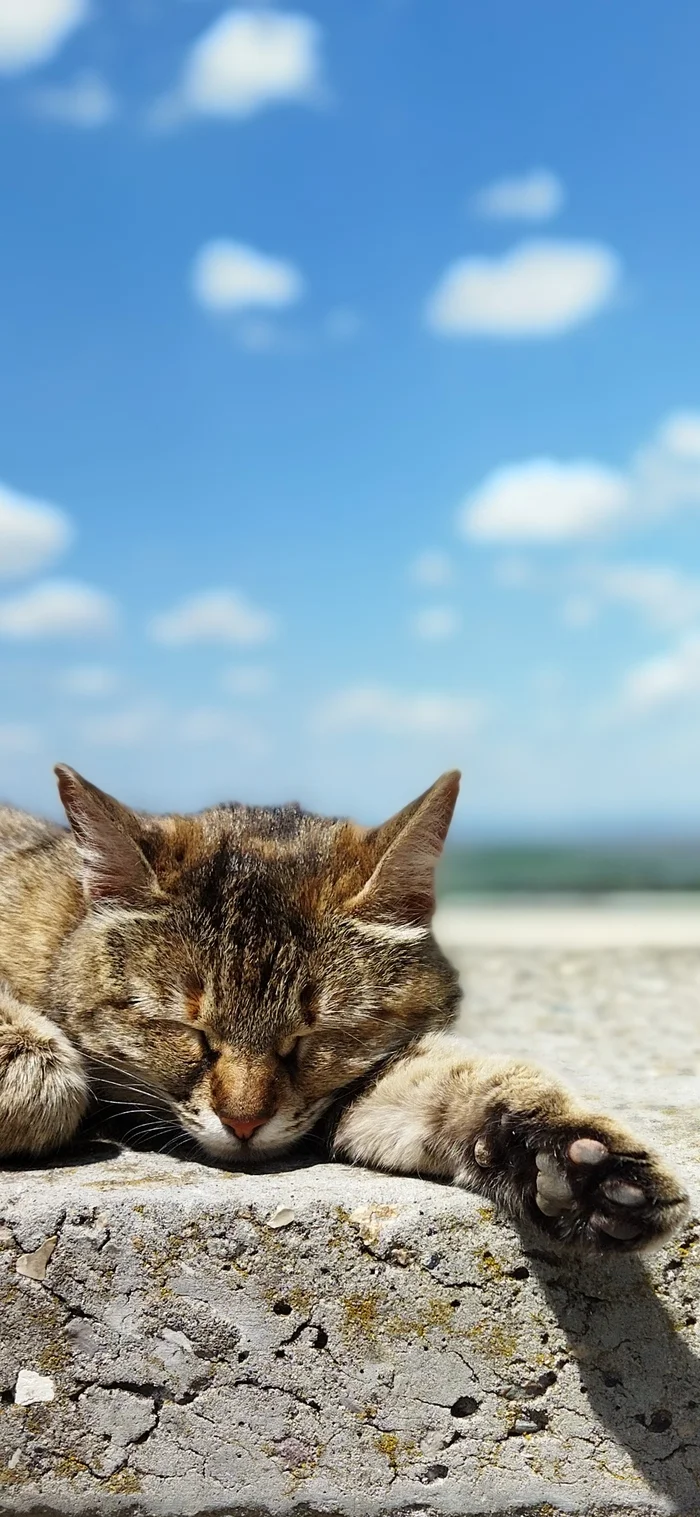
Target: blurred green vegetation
{"x": 591, "y": 869}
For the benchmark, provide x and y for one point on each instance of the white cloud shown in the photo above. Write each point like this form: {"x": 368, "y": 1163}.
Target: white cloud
{"x": 215, "y": 616}
{"x": 31, "y": 31}
{"x": 544, "y": 501}
{"x": 526, "y": 197}
{"x": 88, "y": 681}
{"x": 247, "y": 679}
{"x": 209, "y": 724}
{"x": 664, "y": 680}
{"x": 432, "y": 568}
{"x": 32, "y": 533}
{"x": 57, "y": 608}
{"x": 679, "y": 434}
{"x": 435, "y": 624}
{"x": 248, "y": 60}
{"x": 665, "y": 596}
{"x": 229, "y": 276}
{"x": 87, "y": 102}
{"x": 666, "y": 473}
{"x": 17, "y": 738}
{"x": 538, "y": 289}
{"x": 373, "y": 708}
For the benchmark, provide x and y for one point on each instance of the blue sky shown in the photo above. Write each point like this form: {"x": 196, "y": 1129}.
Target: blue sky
{"x": 350, "y": 405}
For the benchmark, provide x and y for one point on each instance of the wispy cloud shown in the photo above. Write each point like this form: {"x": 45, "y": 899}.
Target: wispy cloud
{"x": 538, "y": 289}
{"x": 32, "y": 533}
{"x": 210, "y": 724}
{"x": 664, "y": 596}
{"x": 666, "y": 472}
{"x": 86, "y": 102}
{"x": 232, "y": 277}
{"x": 248, "y": 61}
{"x": 433, "y": 569}
{"x": 436, "y": 624}
{"x": 667, "y": 679}
{"x": 215, "y": 616}
{"x": 536, "y": 196}
{"x": 247, "y": 680}
{"x": 57, "y": 608}
{"x": 31, "y": 31}
{"x": 88, "y": 681}
{"x": 395, "y": 713}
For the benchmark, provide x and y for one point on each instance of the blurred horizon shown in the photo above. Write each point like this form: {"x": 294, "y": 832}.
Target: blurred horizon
{"x": 350, "y": 412}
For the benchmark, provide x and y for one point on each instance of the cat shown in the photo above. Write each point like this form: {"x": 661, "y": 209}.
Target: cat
{"x": 244, "y": 977}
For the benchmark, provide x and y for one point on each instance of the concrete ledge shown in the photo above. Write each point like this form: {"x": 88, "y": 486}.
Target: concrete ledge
{"x": 322, "y": 1339}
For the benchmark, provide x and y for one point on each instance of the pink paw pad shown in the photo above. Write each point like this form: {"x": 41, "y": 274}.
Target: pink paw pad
{"x": 587, "y": 1151}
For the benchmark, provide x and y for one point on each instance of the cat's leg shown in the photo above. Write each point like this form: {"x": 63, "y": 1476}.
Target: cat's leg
{"x": 508, "y": 1131}
{"x": 43, "y": 1085}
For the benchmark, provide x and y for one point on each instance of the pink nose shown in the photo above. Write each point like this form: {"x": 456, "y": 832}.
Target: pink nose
{"x": 244, "y": 1130}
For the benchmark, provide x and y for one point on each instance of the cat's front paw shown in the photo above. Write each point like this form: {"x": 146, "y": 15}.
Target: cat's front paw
{"x": 588, "y": 1183}
{"x": 43, "y": 1087}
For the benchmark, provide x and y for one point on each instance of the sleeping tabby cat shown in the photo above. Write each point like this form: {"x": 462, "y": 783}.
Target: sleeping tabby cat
{"x": 244, "y": 976}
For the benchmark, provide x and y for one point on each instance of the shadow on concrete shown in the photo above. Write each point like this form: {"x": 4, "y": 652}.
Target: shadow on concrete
{"x": 91, "y": 1150}
{"x": 641, "y": 1379}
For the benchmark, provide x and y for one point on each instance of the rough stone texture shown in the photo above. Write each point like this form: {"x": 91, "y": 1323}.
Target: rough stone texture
{"x": 393, "y": 1346}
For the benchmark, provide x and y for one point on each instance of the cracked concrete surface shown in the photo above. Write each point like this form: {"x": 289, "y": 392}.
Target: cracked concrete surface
{"x": 392, "y": 1347}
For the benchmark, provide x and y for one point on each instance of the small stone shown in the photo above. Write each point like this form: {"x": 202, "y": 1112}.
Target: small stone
{"x": 172, "y": 1336}
{"x": 6, "y": 1237}
{"x": 31, "y": 1388}
{"x": 34, "y": 1265}
{"x": 281, "y": 1218}
{"x": 14, "y": 1461}
{"x": 82, "y": 1336}
{"x": 370, "y": 1221}
{"x": 525, "y": 1425}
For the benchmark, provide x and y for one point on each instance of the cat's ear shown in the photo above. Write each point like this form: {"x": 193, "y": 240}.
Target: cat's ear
{"x": 401, "y": 887}
{"x": 114, "y": 868}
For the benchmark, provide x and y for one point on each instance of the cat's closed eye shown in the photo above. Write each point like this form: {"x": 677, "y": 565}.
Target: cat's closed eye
{"x": 210, "y": 1049}
{"x": 199, "y": 1035}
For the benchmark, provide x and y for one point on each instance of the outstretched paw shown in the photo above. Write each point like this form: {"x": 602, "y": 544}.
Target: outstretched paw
{"x": 592, "y": 1185}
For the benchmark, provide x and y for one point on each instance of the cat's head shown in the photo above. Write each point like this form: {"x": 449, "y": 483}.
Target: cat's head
{"x": 246, "y": 965}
